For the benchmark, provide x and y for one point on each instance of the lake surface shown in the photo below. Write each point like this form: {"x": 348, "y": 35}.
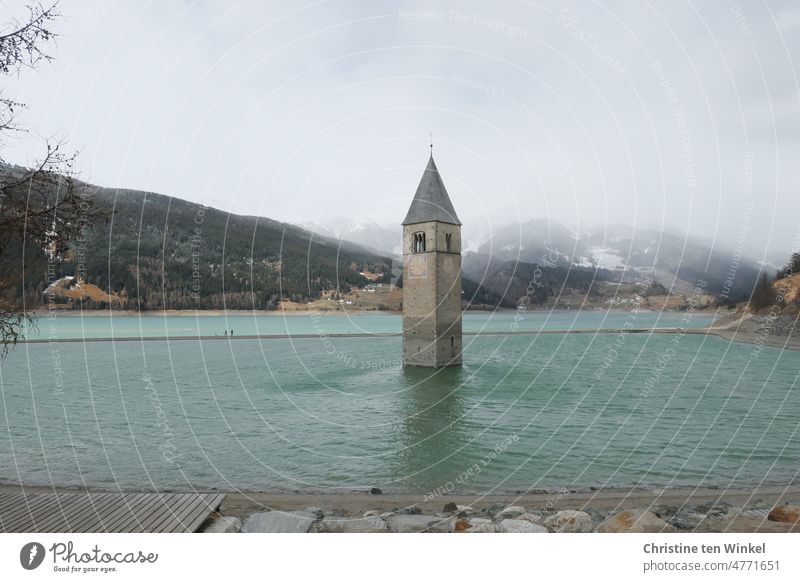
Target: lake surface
{"x": 319, "y": 414}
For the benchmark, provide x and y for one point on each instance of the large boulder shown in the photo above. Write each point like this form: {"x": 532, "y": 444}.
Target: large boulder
{"x": 663, "y": 510}
{"x": 417, "y": 524}
{"x": 352, "y": 525}
{"x": 511, "y": 512}
{"x": 223, "y": 524}
{"x": 519, "y": 526}
{"x": 533, "y": 518}
{"x": 687, "y": 520}
{"x": 785, "y": 514}
{"x": 279, "y": 522}
{"x": 569, "y": 521}
{"x": 450, "y": 508}
{"x": 715, "y": 509}
{"x": 317, "y": 511}
{"x": 635, "y": 521}
{"x": 745, "y": 523}
{"x": 481, "y": 525}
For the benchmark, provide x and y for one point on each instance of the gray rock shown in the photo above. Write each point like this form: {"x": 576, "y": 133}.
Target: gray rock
{"x": 493, "y": 509}
{"x": 352, "y": 525}
{"x": 569, "y": 521}
{"x": 664, "y": 511}
{"x": 316, "y": 511}
{"x": 223, "y": 524}
{"x": 519, "y": 526}
{"x": 481, "y": 525}
{"x": 691, "y": 519}
{"x": 465, "y": 510}
{"x": 511, "y": 512}
{"x": 279, "y": 522}
{"x": 714, "y": 509}
{"x": 635, "y": 520}
{"x": 687, "y": 520}
{"x": 450, "y": 508}
{"x": 533, "y": 518}
{"x": 417, "y": 523}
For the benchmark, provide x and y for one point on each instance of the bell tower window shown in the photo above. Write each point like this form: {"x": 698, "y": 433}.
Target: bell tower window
{"x": 447, "y": 241}
{"x": 418, "y": 242}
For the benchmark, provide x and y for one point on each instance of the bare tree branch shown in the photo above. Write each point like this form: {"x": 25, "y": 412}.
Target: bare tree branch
{"x": 41, "y": 208}
{"x": 23, "y": 45}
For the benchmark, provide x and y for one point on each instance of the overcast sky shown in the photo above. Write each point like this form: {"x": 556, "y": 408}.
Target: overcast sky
{"x": 683, "y": 115}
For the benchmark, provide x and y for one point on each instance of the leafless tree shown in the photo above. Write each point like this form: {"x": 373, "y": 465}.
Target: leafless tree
{"x": 41, "y": 208}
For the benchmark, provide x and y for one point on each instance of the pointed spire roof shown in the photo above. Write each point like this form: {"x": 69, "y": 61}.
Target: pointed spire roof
{"x": 431, "y": 201}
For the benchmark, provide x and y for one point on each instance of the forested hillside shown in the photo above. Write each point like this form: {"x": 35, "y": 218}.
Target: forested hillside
{"x": 159, "y": 252}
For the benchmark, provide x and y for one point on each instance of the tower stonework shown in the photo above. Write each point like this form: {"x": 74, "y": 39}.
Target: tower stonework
{"x": 431, "y": 276}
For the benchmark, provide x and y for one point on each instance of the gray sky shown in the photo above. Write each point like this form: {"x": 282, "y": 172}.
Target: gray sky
{"x": 676, "y": 114}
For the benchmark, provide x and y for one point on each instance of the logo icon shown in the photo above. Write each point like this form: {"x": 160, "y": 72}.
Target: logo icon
{"x": 31, "y": 555}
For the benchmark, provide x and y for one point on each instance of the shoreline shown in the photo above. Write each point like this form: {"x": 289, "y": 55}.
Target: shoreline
{"x": 338, "y": 312}
{"x": 790, "y": 342}
{"x": 211, "y": 312}
{"x": 730, "y": 510}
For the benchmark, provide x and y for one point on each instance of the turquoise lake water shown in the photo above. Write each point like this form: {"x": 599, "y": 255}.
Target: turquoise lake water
{"x": 320, "y": 414}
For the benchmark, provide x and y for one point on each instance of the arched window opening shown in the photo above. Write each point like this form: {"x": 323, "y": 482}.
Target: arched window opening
{"x": 447, "y": 238}
{"x": 452, "y": 341}
{"x": 418, "y": 242}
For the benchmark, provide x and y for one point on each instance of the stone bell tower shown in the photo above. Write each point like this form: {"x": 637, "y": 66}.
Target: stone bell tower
{"x": 431, "y": 276}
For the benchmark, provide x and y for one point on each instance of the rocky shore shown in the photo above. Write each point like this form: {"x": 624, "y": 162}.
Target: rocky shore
{"x": 775, "y": 328}
{"x": 773, "y": 508}
{"x": 641, "y": 513}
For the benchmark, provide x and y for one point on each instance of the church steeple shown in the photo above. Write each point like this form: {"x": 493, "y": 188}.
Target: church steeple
{"x": 431, "y": 202}
{"x": 431, "y": 276}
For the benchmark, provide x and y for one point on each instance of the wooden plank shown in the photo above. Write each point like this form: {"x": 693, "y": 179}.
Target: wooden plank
{"x": 71, "y": 506}
{"x": 22, "y": 506}
{"x": 7, "y": 500}
{"x": 93, "y": 521}
{"x": 29, "y": 507}
{"x": 181, "y": 507}
{"x": 154, "y": 512}
{"x": 123, "y": 514}
{"x": 176, "y": 512}
{"x": 112, "y": 512}
{"x": 153, "y": 522}
{"x": 10, "y": 503}
{"x": 142, "y": 507}
{"x": 99, "y": 522}
{"x": 97, "y": 503}
{"x": 200, "y": 511}
{"x": 77, "y": 506}
{"x": 179, "y": 523}
{"x": 213, "y": 503}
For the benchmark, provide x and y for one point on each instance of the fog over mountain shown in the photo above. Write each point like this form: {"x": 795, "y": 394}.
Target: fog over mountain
{"x": 663, "y": 116}
{"x": 673, "y": 259}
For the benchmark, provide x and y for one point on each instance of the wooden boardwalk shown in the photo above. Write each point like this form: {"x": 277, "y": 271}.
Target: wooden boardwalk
{"x": 106, "y": 512}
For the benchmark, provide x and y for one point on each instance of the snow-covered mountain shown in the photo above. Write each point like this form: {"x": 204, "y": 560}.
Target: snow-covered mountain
{"x": 673, "y": 259}
{"x": 677, "y": 261}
